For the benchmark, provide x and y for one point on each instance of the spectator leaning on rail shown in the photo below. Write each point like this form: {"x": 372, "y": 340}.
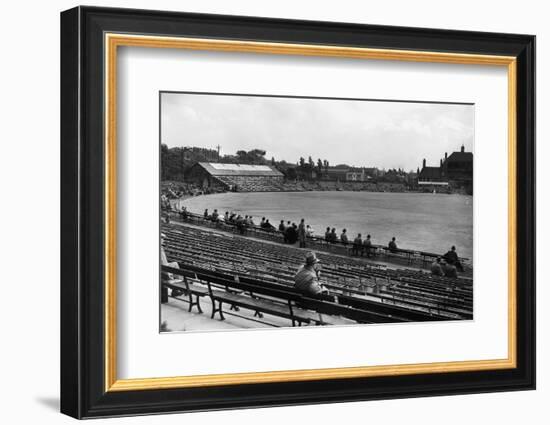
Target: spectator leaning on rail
{"x": 357, "y": 245}
{"x": 292, "y": 234}
{"x": 302, "y": 233}
{"x": 344, "y": 237}
{"x": 436, "y": 267}
{"x": 307, "y": 278}
{"x": 282, "y": 229}
{"x": 327, "y": 235}
{"x": 367, "y": 246}
{"x": 451, "y": 257}
{"x": 392, "y": 245}
{"x": 333, "y": 237}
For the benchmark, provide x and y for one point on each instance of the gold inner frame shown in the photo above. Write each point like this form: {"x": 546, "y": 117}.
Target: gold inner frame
{"x": 113, "y": 41}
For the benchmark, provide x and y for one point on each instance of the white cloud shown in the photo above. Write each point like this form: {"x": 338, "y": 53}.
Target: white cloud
{"x": 369, "y": 133}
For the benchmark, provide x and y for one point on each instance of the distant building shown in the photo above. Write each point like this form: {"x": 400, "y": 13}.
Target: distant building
{"x": 458, "y": 168}
{"x": 238, "y": 177}
{"x": 350, "y": 174}
{"x": 336, "y": 173}
{"x": 455, "y": 170}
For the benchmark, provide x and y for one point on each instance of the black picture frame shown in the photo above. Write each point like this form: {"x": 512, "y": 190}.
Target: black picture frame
{"x": 83, "y": 392}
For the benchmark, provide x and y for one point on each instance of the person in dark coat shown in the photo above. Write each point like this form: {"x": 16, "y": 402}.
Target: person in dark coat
{"x": 302, "y": 233}
{"x": 367, "y": 246}
{"x": 292, "y": 234}
{"x": 451, "y": 256}
{"x": 282, "y": 229}
{"x": 392, "y": 245}
{"x": 327, "y": 235}
{"x": 357, "y": 245}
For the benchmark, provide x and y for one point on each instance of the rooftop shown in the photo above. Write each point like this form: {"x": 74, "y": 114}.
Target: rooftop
{"x": 219, "y": 169}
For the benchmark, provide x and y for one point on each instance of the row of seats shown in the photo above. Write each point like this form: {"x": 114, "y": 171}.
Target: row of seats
{"x": 353, "y": 277}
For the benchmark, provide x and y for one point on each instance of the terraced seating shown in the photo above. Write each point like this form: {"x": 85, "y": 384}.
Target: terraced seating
{"x": 415, "y": 291}
{"x": 400, "y": 256}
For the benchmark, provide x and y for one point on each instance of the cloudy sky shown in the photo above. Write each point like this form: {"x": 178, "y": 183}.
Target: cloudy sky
{"x": 356, "y": 132}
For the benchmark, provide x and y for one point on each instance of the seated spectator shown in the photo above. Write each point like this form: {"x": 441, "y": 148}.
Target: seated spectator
{"x": 239, "y": 222}
{"x": 215, "y": 215}
{"x": 357, "y": 245}
{"x": 205, "y": 215}
{"x": 344, "y": 237}
{"x": 226, "y": 217}
{"x": 262, "y": 223}
{"x": 268, "y": 225}
{"x": 367, "y": 246}
{"x": 333, "y": 236}
{"x": 164, "y": 262}
{"x": 309, "y": 231}
{"x": 449, "y": 270}
{"x": 436, "y": 267}
{"x": 307, "y": 280}
{"x": 183, "y": 213}
{"x": 392, "y": 245}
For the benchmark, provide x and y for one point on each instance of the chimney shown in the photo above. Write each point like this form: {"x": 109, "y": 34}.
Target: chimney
{"x": 441, "y": 163}
{"x": 445, "y": 156}
{"x": 424, "y": 163}
{"x": 462, "y": 148}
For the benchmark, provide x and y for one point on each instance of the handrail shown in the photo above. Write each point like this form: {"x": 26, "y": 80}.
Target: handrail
{"x": 316, "y": 239}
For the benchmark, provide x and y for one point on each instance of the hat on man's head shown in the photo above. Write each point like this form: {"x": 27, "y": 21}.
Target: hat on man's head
{"x": 311, "y": 259}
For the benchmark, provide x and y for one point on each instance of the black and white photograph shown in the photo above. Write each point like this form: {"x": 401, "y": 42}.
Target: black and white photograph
{"x": 305, "y": 211}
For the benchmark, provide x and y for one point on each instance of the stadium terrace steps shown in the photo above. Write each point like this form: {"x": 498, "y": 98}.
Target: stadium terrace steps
{"x": 443, "y": 298}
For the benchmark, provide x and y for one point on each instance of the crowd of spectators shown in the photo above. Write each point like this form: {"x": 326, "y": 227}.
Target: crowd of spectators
{"x": 302, "y": 233}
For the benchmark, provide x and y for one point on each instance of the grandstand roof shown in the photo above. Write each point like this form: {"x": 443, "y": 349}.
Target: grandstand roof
{"x": 461, "y": 157}
{"x": 430, "y": 173}
{"x": 218, "y": 169}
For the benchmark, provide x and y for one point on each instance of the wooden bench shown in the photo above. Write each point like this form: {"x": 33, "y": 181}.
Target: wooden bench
{"x": 183, "y": 285}
{"x": 236, "y": 294}
{"x": 267, "y": 299}
{"x": 324, "y": 304}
